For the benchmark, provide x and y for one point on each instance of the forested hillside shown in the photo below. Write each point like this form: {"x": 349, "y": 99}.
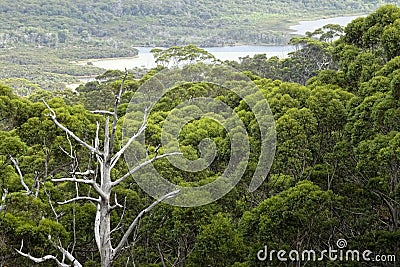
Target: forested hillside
{"x": 39, "y": 39}
{"x": 335, "y": 175}
{"x": 164, "y": 23}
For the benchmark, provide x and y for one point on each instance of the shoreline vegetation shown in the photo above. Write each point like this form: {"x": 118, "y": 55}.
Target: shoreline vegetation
{"x": 78, "y": 32}
{"x": 303, "y": 25}
{"x": 91, "y": 60}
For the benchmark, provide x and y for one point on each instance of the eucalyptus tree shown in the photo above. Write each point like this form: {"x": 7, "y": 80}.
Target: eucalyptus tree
{"x": 176, "y": 55}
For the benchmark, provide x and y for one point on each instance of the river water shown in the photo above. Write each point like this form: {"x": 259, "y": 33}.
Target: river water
{"x": 145, "y": 58}
{"x": 312, "y": 25}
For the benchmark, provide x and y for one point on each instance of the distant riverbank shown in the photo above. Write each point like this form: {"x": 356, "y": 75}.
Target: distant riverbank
{"x": 145, "y": 59}
{"x": 311, "y": 25}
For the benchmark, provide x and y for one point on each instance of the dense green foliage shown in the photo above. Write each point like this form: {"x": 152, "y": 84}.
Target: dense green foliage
{"x": 335, "y": 173}
{"x": 165, "y": 23}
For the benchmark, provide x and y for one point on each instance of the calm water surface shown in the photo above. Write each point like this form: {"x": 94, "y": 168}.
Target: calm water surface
{"x": 146, "y": 60}
{"x": 312, "y": 25}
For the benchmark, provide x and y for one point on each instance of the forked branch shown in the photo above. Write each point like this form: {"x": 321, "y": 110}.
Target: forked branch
{"x": 78, "y": 199}
{"x": 142, "y": 165}
{"x": 15, "y": 162}
{"x": 95, "y": 186}
{"x": 65, "y": 253}
{"x": 115, "y": 113}
{"x": 135, "y": 222}
{"x": 117, "y": 155}
{"x": 69, "y": 132}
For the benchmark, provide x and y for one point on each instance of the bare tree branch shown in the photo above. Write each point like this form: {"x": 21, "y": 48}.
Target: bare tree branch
{"x": 99, "y": 191}
{"x": 15, "y": 162}
{"x": 141, "y": 165}
{"x": 96, "y": 140}
{"x": 115, "y": 113}
{"x": 3, "y": 198}
{"x": 79, "y": 198}
{"x": 106, "y": 112}
{"x": 97, "y": 143}
{"x": 42, "y": 259}
{"x": 69, "y": 154}
{"x": 36, "y": 184}
{"x": 68, "y": 131}
{"x": 117, "y": 155}
{"x": 116, "y": 205}
{"x": 161, "y": 255}
{"x": 97, "y": 227}
{"x": 390, "y": 206}
{"x": 88, "y": 172}
{"x": 5, "y": 192}
{"x": 121, "y": 218}
{"x": 83, "y": 181}
{"x": 95, "y": 186}
{"x": 57, "y": 216}
{"x": 124, "y": 239}
{"x": 106, "y": 145}
{"x": 65, "y": 152}
{"x": 69, "y": 256}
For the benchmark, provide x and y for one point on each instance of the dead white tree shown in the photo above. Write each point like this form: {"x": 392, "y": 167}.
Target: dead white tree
{"x": 103, "y": 187}
{"x": 21, "y": 177}
{"x": 3, "y": 198}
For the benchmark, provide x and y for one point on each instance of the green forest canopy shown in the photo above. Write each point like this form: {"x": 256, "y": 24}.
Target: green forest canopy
{"x": 335, "y": 173}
